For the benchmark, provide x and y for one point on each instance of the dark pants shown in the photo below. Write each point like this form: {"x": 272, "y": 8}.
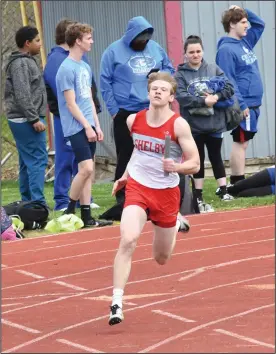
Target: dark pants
{"x": 33, "y": 160}
{"x": 213, "y": 146}
{"x": 124, "y": 147}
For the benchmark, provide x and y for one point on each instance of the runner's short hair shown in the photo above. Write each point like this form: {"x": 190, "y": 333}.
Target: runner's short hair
{"x": 164, "y": 76}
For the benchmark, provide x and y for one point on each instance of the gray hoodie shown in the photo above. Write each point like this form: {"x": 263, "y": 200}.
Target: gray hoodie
{"x": 191, "y": 81}
{"x": 25, "y": 92}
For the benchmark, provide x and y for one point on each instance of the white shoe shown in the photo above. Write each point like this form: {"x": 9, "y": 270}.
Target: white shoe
{"x": 204, "y": 207}
{"x": 94, "y": 206}
{"x": 116, "y": 315}
{"x": 62, "y": 209}
{"x": 184, "y": 223}
{"x": 227, "y": 197}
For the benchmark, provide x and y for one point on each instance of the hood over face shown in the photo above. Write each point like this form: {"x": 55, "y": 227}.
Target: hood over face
{"x": 135, "y": 26}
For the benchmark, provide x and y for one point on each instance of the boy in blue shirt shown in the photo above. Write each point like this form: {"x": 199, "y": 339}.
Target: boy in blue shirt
{"x": 79, "y": 120}
{"x": 236, "y": 58}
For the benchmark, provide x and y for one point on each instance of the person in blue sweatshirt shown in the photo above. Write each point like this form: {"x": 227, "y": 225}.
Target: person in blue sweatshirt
{"x": 65, "y": 163}
{"x": 237, "y": 59}
{"x": 124, "y": 68}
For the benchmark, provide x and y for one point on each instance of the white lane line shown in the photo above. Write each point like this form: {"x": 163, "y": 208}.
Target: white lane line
{"x": 193, "y": 274}
{"x": 16, "y": 325}
{"x": 137, "y": 261}
{"x": 138, "y": 246}
{"x": 61, "y": 330}
{"x": 63, "y": 283}
{"x": 117, "y": 237}
{"x": 197, "y": 328}
{"x": 36, "y": 276}
{"x": 247, "y": 339}
{"x": 4, "y": 266}
{"x": 171, "y": 315}
{"x": 214, "y": 266}
{"x": 79, "y": 346}
{"x": 14, "y": 304}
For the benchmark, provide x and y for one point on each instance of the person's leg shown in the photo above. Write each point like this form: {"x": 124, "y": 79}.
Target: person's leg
{"x": 23, "y": 180}
{"x": 124, "y": 147}
{"x": 214, "y": 144}
{"x": 33, "y": 152}
{"x": 241, "y": 136}
{"x": 64, "y": 160}
{"x": 132, "y": 223}
{"x": 199, "y": 176}
{"x": 23, "y": 173}
{"x": 257, "y": 192}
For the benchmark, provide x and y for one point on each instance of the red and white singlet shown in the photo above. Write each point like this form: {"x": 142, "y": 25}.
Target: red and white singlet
{"x": 146, "y": 165}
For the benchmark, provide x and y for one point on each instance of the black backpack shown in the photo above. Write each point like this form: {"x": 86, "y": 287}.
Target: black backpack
{"x": 33, "y": 214}
{"x": 188, "y": 200}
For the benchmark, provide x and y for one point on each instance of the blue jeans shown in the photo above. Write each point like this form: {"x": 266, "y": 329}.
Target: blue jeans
{"x": 33, "y": 160}
{"x": 66, "y": 167}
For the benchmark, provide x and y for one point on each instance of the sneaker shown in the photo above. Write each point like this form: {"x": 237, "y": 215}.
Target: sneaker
{"x": 204, "y": 207}
{"x": 184, "y": 223}
{"x": 226, "y": 197}
{"x": 218, "y": 191}
{"x": 97, "y": 223}
{"x": 94, "y": 206}
{"x": 116, "y": 315}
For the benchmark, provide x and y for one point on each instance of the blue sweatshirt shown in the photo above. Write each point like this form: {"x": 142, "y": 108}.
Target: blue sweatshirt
{"x": 239, "y": 63}
{"x": 123, "y": 72}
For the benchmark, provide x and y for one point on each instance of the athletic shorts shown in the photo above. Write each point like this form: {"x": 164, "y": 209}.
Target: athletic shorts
{"x": 161, "y": 205}
{"x": 82, "y": 148}
{"x": 241, "y": 136}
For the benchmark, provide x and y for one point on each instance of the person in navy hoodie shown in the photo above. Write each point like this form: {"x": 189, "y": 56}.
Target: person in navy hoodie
{"x": 125, "y": 65}
{"x": 236, "y": 58}
{"x": 65, "y": 163}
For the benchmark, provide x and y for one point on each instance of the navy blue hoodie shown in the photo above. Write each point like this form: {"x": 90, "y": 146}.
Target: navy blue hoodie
{"x": 239, "y": 63}
{"x": 123, "y": 74}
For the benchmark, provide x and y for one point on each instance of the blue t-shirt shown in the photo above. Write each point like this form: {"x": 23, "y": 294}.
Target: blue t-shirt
{"x": 77, "y": 76}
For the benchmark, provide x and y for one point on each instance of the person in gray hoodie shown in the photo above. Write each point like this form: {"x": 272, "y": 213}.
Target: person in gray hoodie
{"x": 25, "y": 101}
{"x": 198, "y": 106}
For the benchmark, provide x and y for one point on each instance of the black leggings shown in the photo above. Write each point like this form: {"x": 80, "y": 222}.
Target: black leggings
{"x": 213, "y": 146}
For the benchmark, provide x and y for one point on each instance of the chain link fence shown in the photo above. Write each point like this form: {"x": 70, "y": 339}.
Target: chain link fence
{"x": 11, "y": 22}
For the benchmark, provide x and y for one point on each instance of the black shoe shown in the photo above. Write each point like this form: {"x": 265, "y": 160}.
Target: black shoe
{"x": 96, "y": 223}
{"x": 116, "y": 315}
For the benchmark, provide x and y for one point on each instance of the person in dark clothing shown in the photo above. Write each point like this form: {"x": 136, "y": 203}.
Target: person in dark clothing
{"x": 198, "y": 105}
{"x": 125, "y": 65}
{"x": 66, "y": 165}
{"x": 257, "y": 185}
{"x": 26, "y": 102}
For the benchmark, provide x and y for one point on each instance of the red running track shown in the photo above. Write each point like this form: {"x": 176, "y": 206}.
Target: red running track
{"x": 216, "y": 294}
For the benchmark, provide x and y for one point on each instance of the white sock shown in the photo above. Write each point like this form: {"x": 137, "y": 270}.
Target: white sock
{"x": 117, "y": 297}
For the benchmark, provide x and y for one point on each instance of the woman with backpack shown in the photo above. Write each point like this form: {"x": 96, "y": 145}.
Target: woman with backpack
{"x": 202, "y": 93}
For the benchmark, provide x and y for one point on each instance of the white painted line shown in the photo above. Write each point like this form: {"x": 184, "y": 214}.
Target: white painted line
{"x": 14, "y": 304}
{"x": 4, "y": 266}
{"x": 138, "y": 246}
{"x": 214, "y": 266}
{"x": 117, "y": 237}
{"x": 247, "y": 339}
{"x": 171, "y": 315}
{"x": 61, "y": 330}
{"x": 137, "y": 261}
{"x": 69, "y": 285}
{"x": 16, "y": 325}
{"x": 36, "y": 276}
{"x": 36, "y": 295}
{"x": 79, "y": 346}
{"x": 197, "y": 328}
{"x": 193, "y": 274}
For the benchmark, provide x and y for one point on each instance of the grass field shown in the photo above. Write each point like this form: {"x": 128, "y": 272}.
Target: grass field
{"x": 102, "y": 196}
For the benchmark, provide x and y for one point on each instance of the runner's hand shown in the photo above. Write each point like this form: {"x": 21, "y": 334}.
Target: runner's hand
{"x": 168, "y": 165}
{"x": 119, "y": 184}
